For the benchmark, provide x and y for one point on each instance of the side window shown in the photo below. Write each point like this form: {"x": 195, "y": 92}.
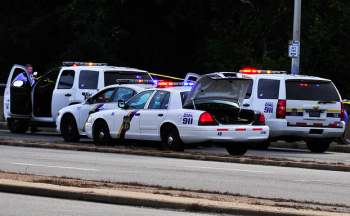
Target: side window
{"x": 66, "y": 79}
{"x": 165, "y": 103}
{"x": 249, "y": 91}
{"x": 139, "y": 101}
{"x": 88, "y": 79}
{"x": 268, "y": 89}
{"x": 20, "y": 74}
{"x": 49, "y": 81}
{"x": 157, "y": 100}
{"x": 184, "y": 96}
{"x": 103, "y": 97}
{"x": 123, "y": 93}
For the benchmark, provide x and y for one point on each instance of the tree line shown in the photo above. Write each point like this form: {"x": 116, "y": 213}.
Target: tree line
{"x": 176, "y": 37}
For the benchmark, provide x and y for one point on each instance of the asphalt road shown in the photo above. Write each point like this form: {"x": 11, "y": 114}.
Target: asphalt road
{"x": 17, "y": 204}
{"x": 294, "y": 154}
{"x": 254, "y": 180}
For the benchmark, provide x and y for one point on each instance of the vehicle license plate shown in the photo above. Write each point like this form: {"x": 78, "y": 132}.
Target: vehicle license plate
{"x": 314, "y": 114}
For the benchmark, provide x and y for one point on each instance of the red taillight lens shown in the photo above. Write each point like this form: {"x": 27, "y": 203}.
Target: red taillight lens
{"x": 261, "y": 119}
{"x": 281, "y": 109}
{"x": 206, "y": 119}
{"x": 342, "y": 112}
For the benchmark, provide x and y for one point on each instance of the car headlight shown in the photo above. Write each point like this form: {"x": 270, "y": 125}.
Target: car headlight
{"x": 89, "y": 119}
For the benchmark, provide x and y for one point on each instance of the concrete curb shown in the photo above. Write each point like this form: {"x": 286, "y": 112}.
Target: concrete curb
{"x": 115, "y": 196}
{"x": 191, "y": 156}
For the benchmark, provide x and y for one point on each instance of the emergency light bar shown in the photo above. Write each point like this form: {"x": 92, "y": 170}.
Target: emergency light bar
{"x": 83, "y": 64}
{"x": 163, "y": 84}
{"x": 140, "y": 81}
{"x": 253, "y": 71}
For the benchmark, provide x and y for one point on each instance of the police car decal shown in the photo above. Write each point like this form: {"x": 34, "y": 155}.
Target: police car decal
{"x": 187, "y": 118}
{"x": 268, "y": 107}
{"x": 334, "y": 113}
{"x": 126, "y": 124}
{"x": 95, "y": 109}
{"x": 78, "y": 108}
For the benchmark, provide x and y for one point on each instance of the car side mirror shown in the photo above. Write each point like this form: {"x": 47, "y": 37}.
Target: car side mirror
{"x": 18, "y": 83}
{"x": 121, "y": 103}
{"x": 85, "y": 93}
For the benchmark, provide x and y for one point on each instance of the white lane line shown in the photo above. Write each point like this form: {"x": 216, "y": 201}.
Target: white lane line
{"x": 239, "y": 170}
{"x": 60, "y": 167}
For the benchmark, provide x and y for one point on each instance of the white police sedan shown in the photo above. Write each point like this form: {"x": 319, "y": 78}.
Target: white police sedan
{"x": 71, "y": 119}
{"x": 178, "y": 116}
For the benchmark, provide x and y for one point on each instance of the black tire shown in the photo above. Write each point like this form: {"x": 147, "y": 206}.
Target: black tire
{"x": 69, "y": 129}
{"x": 18, "y": 126}
{"x": 237, "y": 148}
{"x": 318, "y": 146}
{"x": 101, "y": 134}
{"x": 260, "y": 145}
{"x": 171, "y": 140}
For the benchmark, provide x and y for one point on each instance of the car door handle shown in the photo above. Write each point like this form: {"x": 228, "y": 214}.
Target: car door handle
{"x": 137, "y": 114}
{"x": 160, "y": 115}
{"x": 68, "y": 95}
{"x": 246, "y": 105}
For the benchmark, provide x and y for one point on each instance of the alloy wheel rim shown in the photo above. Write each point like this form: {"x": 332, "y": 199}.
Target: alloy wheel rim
{"x": 170, "y": 140}
{"x": 101, "y": 135}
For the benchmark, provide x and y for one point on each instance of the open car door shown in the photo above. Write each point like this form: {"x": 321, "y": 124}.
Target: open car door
{"x": 17, "y": 97}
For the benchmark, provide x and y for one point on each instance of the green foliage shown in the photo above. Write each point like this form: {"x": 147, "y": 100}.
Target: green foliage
{"x": 176, "y": 37}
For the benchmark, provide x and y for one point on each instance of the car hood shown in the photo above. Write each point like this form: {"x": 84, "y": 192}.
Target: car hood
{"x": 218, "y": 86}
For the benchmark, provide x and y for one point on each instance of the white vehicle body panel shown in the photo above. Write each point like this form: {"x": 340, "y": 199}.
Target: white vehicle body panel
{"x": 297, "y": 122}
{"x": 81, "y": 111}
{"x": 59, "y": 97}
{"x": 185, "y": 120}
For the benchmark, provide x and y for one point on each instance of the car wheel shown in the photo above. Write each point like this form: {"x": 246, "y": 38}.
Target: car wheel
{"x": 18, "y": 125}
{"x": 317, "y": 146}
{"x": 69, "y": 129}
{"x": 171, "y": 140}
{"x": 237, "y": 148}
{"x": 260, "y": 145}
{"x": 101, "y": 134}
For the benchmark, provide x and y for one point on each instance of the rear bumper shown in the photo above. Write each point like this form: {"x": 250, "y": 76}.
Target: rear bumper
{"x": 278, "y": 127}
{"x": 219, "y": 134}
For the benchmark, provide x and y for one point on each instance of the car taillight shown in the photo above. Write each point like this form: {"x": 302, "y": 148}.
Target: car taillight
{"x": 261, "y": 119}
{"x": 281, "y": 109}
{"x": 206, "y": 119}
{"x": 342, "y": 112}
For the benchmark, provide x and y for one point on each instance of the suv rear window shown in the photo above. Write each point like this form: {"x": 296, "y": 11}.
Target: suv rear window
{"x": 111, "y": 77}
{"x": 317, "y": 90}
{"x": 268, "y": 89}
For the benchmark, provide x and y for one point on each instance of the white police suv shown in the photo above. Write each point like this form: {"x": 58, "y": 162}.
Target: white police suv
{"x": 71, "y": 119}
{"x": 296, "y": 107}
{"x": 38, "y": 104}
{"x": 210, "y": 111}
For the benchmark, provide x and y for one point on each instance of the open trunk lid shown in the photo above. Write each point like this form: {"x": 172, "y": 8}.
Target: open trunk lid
{"x": 222, "y": 88}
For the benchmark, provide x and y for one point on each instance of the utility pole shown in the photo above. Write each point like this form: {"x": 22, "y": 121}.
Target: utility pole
{"x": 296, "y": 38}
